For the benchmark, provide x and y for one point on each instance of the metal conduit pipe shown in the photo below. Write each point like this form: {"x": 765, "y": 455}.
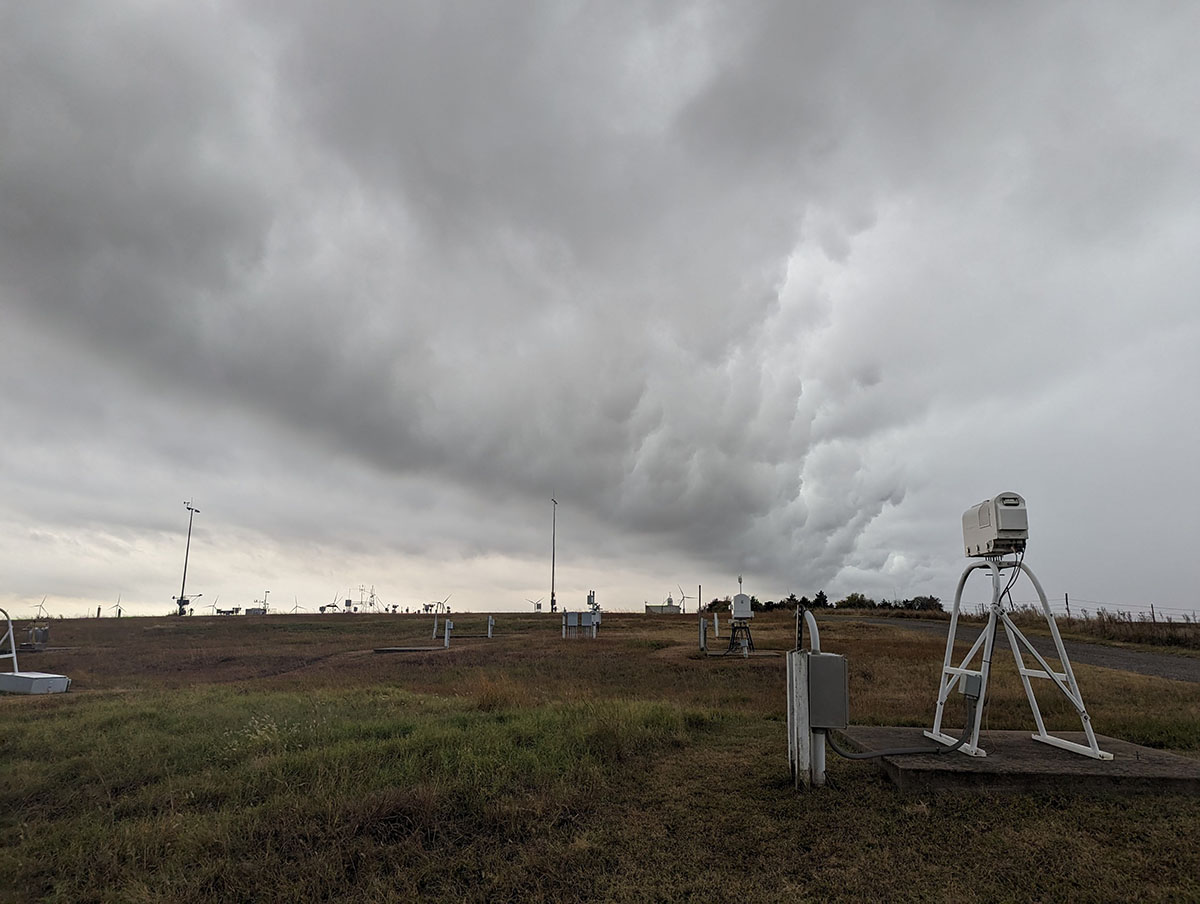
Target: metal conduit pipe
{"x": 805, "y": 617}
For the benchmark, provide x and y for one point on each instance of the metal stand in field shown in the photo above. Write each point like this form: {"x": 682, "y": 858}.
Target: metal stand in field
{"x": 740, "y": 639}
{"x": 742, "y": 611}
{"x": 580, "y": 624}
{"x": 1064, "y": 680}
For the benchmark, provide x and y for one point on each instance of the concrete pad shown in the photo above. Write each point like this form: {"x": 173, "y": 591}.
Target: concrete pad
{"x": 1017, "y": 763}
{"x": 410, "y": 649}
{"x": 737, "y": 654}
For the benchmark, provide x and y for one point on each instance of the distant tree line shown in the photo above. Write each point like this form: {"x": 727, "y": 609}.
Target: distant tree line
{"x": 821, "y": 601}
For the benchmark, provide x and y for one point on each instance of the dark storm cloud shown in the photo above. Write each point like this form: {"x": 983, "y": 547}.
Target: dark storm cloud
{"x": 765, "y": 286}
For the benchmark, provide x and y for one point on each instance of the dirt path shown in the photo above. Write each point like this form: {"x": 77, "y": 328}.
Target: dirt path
{"x": 1160, "y": 665}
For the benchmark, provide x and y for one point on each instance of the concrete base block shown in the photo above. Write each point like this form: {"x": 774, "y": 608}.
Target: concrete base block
{"x": 1015, "y": 763}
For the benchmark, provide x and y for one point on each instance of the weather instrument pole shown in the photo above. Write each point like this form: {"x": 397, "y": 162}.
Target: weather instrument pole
{"x": 182, "y": 601}
{"x": 553, "y": 550}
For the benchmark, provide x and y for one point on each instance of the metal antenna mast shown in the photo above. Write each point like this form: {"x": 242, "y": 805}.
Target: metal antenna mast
{"x": 553, "y": 549}
{"x": 192, "y": 510}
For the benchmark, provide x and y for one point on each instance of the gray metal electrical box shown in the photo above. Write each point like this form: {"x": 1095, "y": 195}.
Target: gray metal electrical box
{"x": 828, "y": 691}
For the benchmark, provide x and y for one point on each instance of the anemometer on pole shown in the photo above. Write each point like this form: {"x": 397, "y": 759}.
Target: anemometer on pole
{"x": 553, "y": 550}
{"x": 992, "y": 530}
{"x": 182, "y": 601}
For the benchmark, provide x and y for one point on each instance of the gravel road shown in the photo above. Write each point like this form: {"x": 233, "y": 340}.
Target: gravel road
{"x": 1160, "y": 665}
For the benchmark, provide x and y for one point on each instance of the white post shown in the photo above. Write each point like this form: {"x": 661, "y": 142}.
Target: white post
{"x": 449, "y": 625}
{"x": 806, "y": 748}
{"x": 564, "y": 618}
{"x": 703, "y": 632}
{"x": 435, "y": 624}
{"x": 790, "y": 672}
{"x": 716, "y": 626}
{"x": 491, "y": 623}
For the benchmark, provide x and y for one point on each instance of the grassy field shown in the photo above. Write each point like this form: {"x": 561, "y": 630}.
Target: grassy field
{"x": 278, "y": 759}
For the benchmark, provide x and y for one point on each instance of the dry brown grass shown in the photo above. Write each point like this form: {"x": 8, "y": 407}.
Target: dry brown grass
{"x": 277, "y": 758}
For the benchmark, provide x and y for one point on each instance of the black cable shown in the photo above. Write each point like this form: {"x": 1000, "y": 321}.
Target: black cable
{"x": 1016, "y": 573}
{"x": 972, "y": 702}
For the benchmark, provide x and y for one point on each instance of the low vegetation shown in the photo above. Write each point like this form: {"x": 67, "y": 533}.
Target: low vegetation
{"x": 1141, "y": 628}
{"x": 279, "y": 759}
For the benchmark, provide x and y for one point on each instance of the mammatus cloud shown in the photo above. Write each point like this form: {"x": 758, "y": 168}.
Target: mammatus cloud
{"x": 779, "y": 289}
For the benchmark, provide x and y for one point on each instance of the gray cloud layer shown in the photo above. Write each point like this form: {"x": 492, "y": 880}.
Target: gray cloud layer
{"x": 773, "y": 287}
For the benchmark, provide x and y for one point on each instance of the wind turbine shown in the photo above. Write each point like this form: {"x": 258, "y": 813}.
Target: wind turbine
{"x": 117, "y": 606}
{"x": 683, "y": 598}
{"x": 41, "y": 609}
{"x": 537, "y": 603}
{"x": 438, "y": 606}
{"x": 296, "y": 608}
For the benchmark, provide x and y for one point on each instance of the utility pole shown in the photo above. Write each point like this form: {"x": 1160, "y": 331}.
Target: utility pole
{"x": 182, "y": 601}
{"x": 553, "y": 549}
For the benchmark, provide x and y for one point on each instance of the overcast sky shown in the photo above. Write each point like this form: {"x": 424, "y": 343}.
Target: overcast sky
{"x": 771, "y": 289}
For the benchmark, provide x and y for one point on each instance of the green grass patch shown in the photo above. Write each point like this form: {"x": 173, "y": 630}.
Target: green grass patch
{"x": 217, "y": 795}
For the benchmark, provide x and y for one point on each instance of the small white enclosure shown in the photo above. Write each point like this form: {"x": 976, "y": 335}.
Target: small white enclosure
{"x": 33, "y": 683}
{"x": 741, "y": 606}
{"x": 996, "y": 526}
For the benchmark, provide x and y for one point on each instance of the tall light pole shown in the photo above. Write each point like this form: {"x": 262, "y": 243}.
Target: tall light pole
{"x": 553, "y": 549}
{"x": 182, "y": 601}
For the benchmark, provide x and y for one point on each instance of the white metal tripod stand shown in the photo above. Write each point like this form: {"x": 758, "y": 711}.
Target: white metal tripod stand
{"x": 8, "y": 639}
{"x": 1064, "y": 680}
